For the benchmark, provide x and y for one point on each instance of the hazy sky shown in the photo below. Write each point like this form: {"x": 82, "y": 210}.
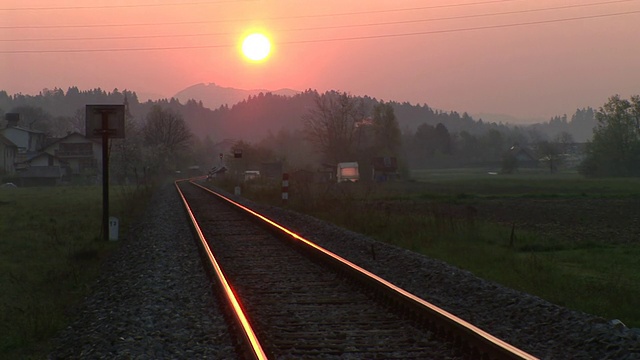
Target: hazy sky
{"x": 527, "y": 58}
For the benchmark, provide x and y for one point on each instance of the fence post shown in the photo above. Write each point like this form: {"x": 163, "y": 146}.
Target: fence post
{"x": 285, "y": 188}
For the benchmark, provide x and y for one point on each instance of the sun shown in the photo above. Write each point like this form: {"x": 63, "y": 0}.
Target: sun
{"x": 256, "y": 47}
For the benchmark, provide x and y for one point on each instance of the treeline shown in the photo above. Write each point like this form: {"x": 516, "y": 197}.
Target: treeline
{"x": 57, "y": 112}
{"x": 430, "y": 137}
{"x": 254, "y": 117}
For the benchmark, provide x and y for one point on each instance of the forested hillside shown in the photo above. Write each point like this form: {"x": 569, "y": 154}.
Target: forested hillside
{"x": 430, "y": 137}
{"x": 253, "y": 118}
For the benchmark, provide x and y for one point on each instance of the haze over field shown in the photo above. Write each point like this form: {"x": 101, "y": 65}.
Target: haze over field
{"x": 528, "y": 59}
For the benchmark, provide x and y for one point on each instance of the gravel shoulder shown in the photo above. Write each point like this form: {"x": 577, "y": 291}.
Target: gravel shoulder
{"x": 153, "y": 299}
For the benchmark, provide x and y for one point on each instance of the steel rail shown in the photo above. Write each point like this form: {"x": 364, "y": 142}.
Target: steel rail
{"x": 454, "y": 326}
{"x": 246, "y": 331}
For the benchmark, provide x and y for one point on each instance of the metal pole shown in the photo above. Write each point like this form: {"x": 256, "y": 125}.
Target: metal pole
{"x": 105, "y": 175}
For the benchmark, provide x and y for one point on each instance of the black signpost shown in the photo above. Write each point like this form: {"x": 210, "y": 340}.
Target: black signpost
{"x": 104, "y": 122}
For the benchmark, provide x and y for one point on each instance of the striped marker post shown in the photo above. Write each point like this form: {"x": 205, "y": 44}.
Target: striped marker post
{"x": 285, "y": 188}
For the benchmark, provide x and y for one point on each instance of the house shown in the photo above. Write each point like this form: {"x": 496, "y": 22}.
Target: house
{"x": 38, "y": 160}
{"x": 385, "y": 168}
{"x": 28, "y": 141}
{"x": 77, "y": 154}
{"x": 8, "y": 154}
{"x": 524, "y": 156}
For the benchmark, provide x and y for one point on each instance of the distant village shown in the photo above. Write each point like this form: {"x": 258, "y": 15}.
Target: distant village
{"x": 34, "y": 159}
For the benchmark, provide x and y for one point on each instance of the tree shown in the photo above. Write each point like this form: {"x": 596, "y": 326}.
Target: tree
{"x": 331, "y": 125}
{"x": 492, "y": 144}
{"x": 33, "y": 117}
{"x": 615, "y": 148}
{"x": 550, "y": 152}
{"x": 387, "y": 137}
{"x": 443, "y": 139}
{"x": 128, "y": 164}
{"x": 291, "y": 148}
{"x": 166, "y": 134}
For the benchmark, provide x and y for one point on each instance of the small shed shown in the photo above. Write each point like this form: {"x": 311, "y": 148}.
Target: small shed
{"x": 326, "y": 173}
{"x": 385, "y": 168}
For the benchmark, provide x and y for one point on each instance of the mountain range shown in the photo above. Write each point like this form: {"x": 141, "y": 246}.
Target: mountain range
{"x": 213, "y": 96}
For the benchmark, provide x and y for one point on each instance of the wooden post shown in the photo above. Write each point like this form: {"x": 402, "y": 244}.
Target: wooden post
{"x": 285, "y": 188}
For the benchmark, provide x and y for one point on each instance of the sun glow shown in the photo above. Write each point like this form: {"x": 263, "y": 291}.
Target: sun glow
{"x": 256, "y": 47}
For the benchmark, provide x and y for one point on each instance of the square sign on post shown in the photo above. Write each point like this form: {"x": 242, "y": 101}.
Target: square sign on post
{"x": 115, "y": 114}
{"x": 105, "y": 122}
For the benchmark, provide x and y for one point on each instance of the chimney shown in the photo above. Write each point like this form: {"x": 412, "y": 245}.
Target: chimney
{"x": 12, "y": 119}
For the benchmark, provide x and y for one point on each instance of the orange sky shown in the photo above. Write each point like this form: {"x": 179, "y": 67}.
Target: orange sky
{"x": 478, "y": 58}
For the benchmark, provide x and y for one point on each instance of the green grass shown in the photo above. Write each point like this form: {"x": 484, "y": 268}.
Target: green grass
{"x": 531, "y": 183}
{"x": 50, "y": 252}
{"x": 591, "y": 275}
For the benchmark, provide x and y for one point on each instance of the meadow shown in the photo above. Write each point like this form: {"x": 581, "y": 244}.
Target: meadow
{"x": 51, "y": 251}
{"x": 568, "y": 239}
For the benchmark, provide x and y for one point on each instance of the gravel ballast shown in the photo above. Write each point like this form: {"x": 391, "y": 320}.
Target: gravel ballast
{"x": 155, "y": 301}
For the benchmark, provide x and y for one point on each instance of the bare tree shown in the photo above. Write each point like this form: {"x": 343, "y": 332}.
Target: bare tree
{"x": 331, "y": 126}
{"x": 166, "y": 134}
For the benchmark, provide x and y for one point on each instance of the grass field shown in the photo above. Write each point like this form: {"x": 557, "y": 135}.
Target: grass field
{"x": 571, "y": 240}
{"x": 51, "y": 250}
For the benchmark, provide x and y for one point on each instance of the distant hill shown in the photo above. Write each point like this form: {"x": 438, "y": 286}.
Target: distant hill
{"x": 214, "y": 96}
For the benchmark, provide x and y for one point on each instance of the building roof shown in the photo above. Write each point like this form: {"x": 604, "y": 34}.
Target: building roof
{"x": 6, "y": 141}
{"x": 350, "y": 164}
{"x": 75, "y": 133}
{"x": 41, "y": 154}
{"x": 24, "y": 129}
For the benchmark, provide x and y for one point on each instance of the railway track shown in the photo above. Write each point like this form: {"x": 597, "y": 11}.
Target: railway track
{"x": 290, "y": 298}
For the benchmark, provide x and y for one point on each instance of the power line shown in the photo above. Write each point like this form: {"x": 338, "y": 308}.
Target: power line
{"x": 366, "y": 12}
{"x": 331, "y": 39}
{"x": 121, "y": 6}
{"x": 459, "y": 17}
{"x": 540, "y": 22}
{"x": 128, "y": 37}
